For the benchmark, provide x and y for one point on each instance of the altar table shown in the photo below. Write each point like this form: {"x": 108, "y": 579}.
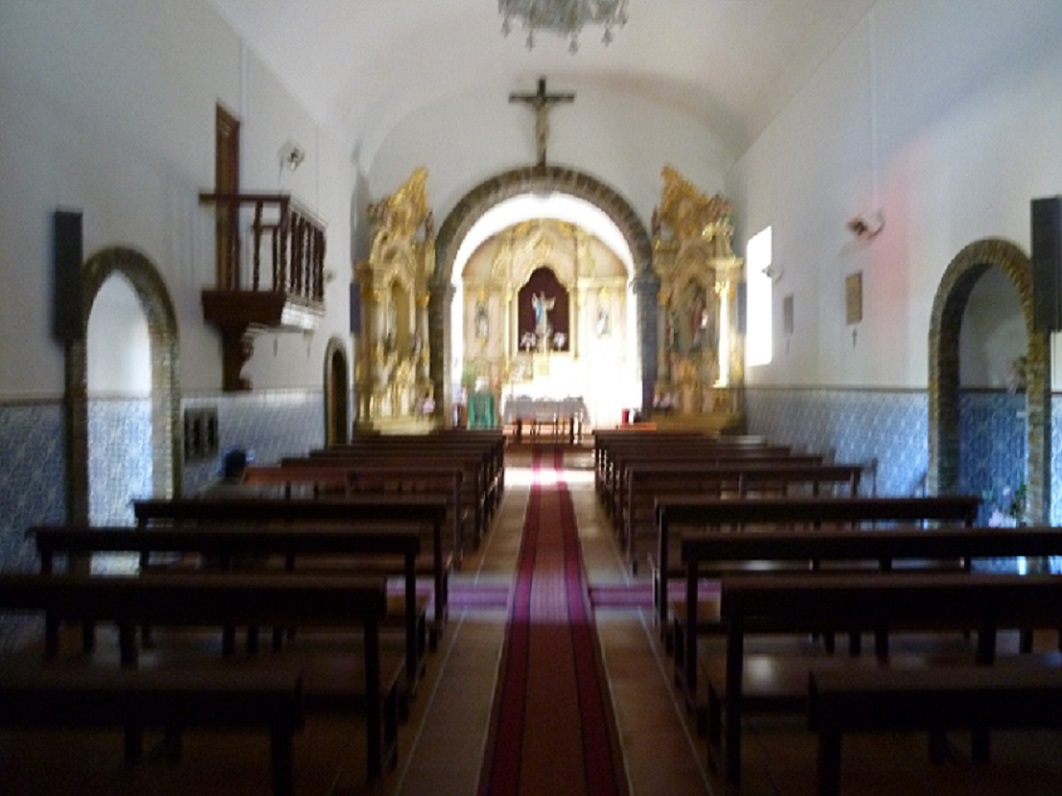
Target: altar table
{"x": 541, "y": 413}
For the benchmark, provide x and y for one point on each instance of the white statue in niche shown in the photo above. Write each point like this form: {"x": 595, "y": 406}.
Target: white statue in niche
{"x": 542, "y": 305}
{"x": 603, "y": 325}
{"x": 482, "y": 322}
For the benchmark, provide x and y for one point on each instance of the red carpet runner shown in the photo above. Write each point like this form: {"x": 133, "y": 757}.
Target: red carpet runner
{"x": 552, "y": 729}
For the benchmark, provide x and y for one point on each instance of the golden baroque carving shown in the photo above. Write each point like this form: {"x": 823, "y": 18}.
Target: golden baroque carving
{"x": 687, "y": 215}
{"x": 401, "y": 213}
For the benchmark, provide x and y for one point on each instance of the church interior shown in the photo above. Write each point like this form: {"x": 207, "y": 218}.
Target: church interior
{"x": 831, "y": 225}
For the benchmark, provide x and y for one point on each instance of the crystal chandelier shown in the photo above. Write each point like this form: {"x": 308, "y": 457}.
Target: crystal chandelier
{"x": 563, "y": 17}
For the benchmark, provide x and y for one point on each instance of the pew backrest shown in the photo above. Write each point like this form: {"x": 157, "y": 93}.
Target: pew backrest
{"x": 699, "y": 513}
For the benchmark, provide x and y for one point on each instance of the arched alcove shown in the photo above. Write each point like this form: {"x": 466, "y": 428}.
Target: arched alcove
{"x": 167, "y": 452}
{"x": 540, "y": 180}
{"x": 336, "y": 393}
{"x": 949, "y": 306}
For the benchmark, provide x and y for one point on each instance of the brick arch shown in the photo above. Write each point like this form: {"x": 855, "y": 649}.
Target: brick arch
{"x": 537, "y": 179}
{"x": 166, "y": 432}
{"x": 949, "y": 305}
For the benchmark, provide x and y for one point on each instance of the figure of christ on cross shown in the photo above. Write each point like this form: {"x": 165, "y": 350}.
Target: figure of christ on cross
{"x": 541, "y": 103}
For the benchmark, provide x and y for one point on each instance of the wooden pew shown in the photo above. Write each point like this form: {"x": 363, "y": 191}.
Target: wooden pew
{"x": 53, "y": 697}
{"x": 327, "y": 476}
{"x": 494, "y": 440}
{"x": 880, "y": 603}
{"x": 225, "y": 544}
{"x": 609, "y": 442}
{"x": 606, "y": 439}
{"x": 616, "y": 490}
{"x": 714, "y": 555}
{"x": 898, "y": 700}
{"x": 486, "y": 447}
{"x": 696, "y": 512}
{"x": 364, "y": 511}
{"x": 646, "y": 481}
{"x": 482, "y": 478}
{"x": 222, "y": 599}
{"x": 618, "y": 456}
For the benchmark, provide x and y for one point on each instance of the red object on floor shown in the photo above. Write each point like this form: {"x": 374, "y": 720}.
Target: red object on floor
{"x": 552, "y": 730}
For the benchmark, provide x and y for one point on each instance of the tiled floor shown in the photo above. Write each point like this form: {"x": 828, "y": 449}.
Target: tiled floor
{"x": 443, "y": 742}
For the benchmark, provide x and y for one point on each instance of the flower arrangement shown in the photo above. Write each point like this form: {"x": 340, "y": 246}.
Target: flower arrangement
{"x": 663, "y": 402}
{"x": 1008, "y": 509}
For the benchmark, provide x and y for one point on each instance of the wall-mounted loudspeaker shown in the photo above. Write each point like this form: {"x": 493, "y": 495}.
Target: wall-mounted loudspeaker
{"x": 1046, "y": 219}
{"x": 67, "y": 323}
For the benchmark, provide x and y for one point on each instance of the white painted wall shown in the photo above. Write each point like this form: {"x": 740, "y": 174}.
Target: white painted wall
{"x": 108, "y": 107}
{"x": 118, "y": 348}
{"x": 946, "y": 118}
{"x": 621, "y": 139}
{"x": 993, "y": 332}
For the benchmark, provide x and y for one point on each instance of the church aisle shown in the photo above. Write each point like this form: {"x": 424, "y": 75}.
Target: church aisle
{"x": 443, "y": 745}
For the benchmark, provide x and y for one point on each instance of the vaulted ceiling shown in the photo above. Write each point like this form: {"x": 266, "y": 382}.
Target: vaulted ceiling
{"x": 362, "y": 66}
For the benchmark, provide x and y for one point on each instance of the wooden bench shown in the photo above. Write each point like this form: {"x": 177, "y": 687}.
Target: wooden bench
{"x": 697, "y": 455}
{"x": 714, "y": 555}
{"x": 494, "y": 441}
{"x": 374, "y": 552}
{"x": 697, "y": 513}
{"x": 739, "y": 479}
{"x": 372, "y": 512}
{"x": 881, "y": 603}
{"x": 370, "y": 684}
{"x": 934, "y": 699}
{"x": 332, "y": 477}
{"x": 617, "y": 458}
{"x": 56, "y": 697}
{"x": 609, "y": 443}
{"x": 484, "y": 448}
{"x": 605, "y": 439}
{"x": 474, "y": 497}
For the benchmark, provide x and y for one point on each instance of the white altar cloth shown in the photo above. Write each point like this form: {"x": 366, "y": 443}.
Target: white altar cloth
{"x": 523, "y": 407}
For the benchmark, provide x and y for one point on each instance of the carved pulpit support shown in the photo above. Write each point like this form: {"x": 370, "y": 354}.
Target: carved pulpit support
{"x": 700, "y": 371}
{"x": 392, "y": 385}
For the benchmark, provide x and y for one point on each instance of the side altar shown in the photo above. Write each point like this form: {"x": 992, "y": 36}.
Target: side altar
{"x": 393, "y": 390}
{"x": 700, "y": 356}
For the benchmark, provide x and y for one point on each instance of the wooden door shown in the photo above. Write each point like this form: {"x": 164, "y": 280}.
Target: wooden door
{"x": 227, "y": 181}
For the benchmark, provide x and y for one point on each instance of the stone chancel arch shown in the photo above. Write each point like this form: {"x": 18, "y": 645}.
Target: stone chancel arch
{"x": 537, "y": 180}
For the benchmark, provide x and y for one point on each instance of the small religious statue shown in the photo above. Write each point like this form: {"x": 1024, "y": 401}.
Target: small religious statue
{"x": 602, "y": 322}
{"x": 482, "y": 322}
{"x": 542, "y": 306}
{"x": 698, "y": 322}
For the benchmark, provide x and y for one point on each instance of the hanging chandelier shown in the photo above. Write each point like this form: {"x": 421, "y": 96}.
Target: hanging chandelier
{"x": 564, "y": 17}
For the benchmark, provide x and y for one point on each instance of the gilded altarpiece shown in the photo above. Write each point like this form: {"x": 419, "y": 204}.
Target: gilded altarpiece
{"x": 700, "y": 358}
{"x": 392, "y": 387}
{"x": 541, "y": 298}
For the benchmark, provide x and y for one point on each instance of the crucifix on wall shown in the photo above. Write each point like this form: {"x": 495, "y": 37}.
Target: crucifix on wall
{"x": 541, "y": 103}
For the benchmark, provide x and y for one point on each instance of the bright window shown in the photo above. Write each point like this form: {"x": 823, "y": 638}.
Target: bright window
{"x": 758, "y": 310}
